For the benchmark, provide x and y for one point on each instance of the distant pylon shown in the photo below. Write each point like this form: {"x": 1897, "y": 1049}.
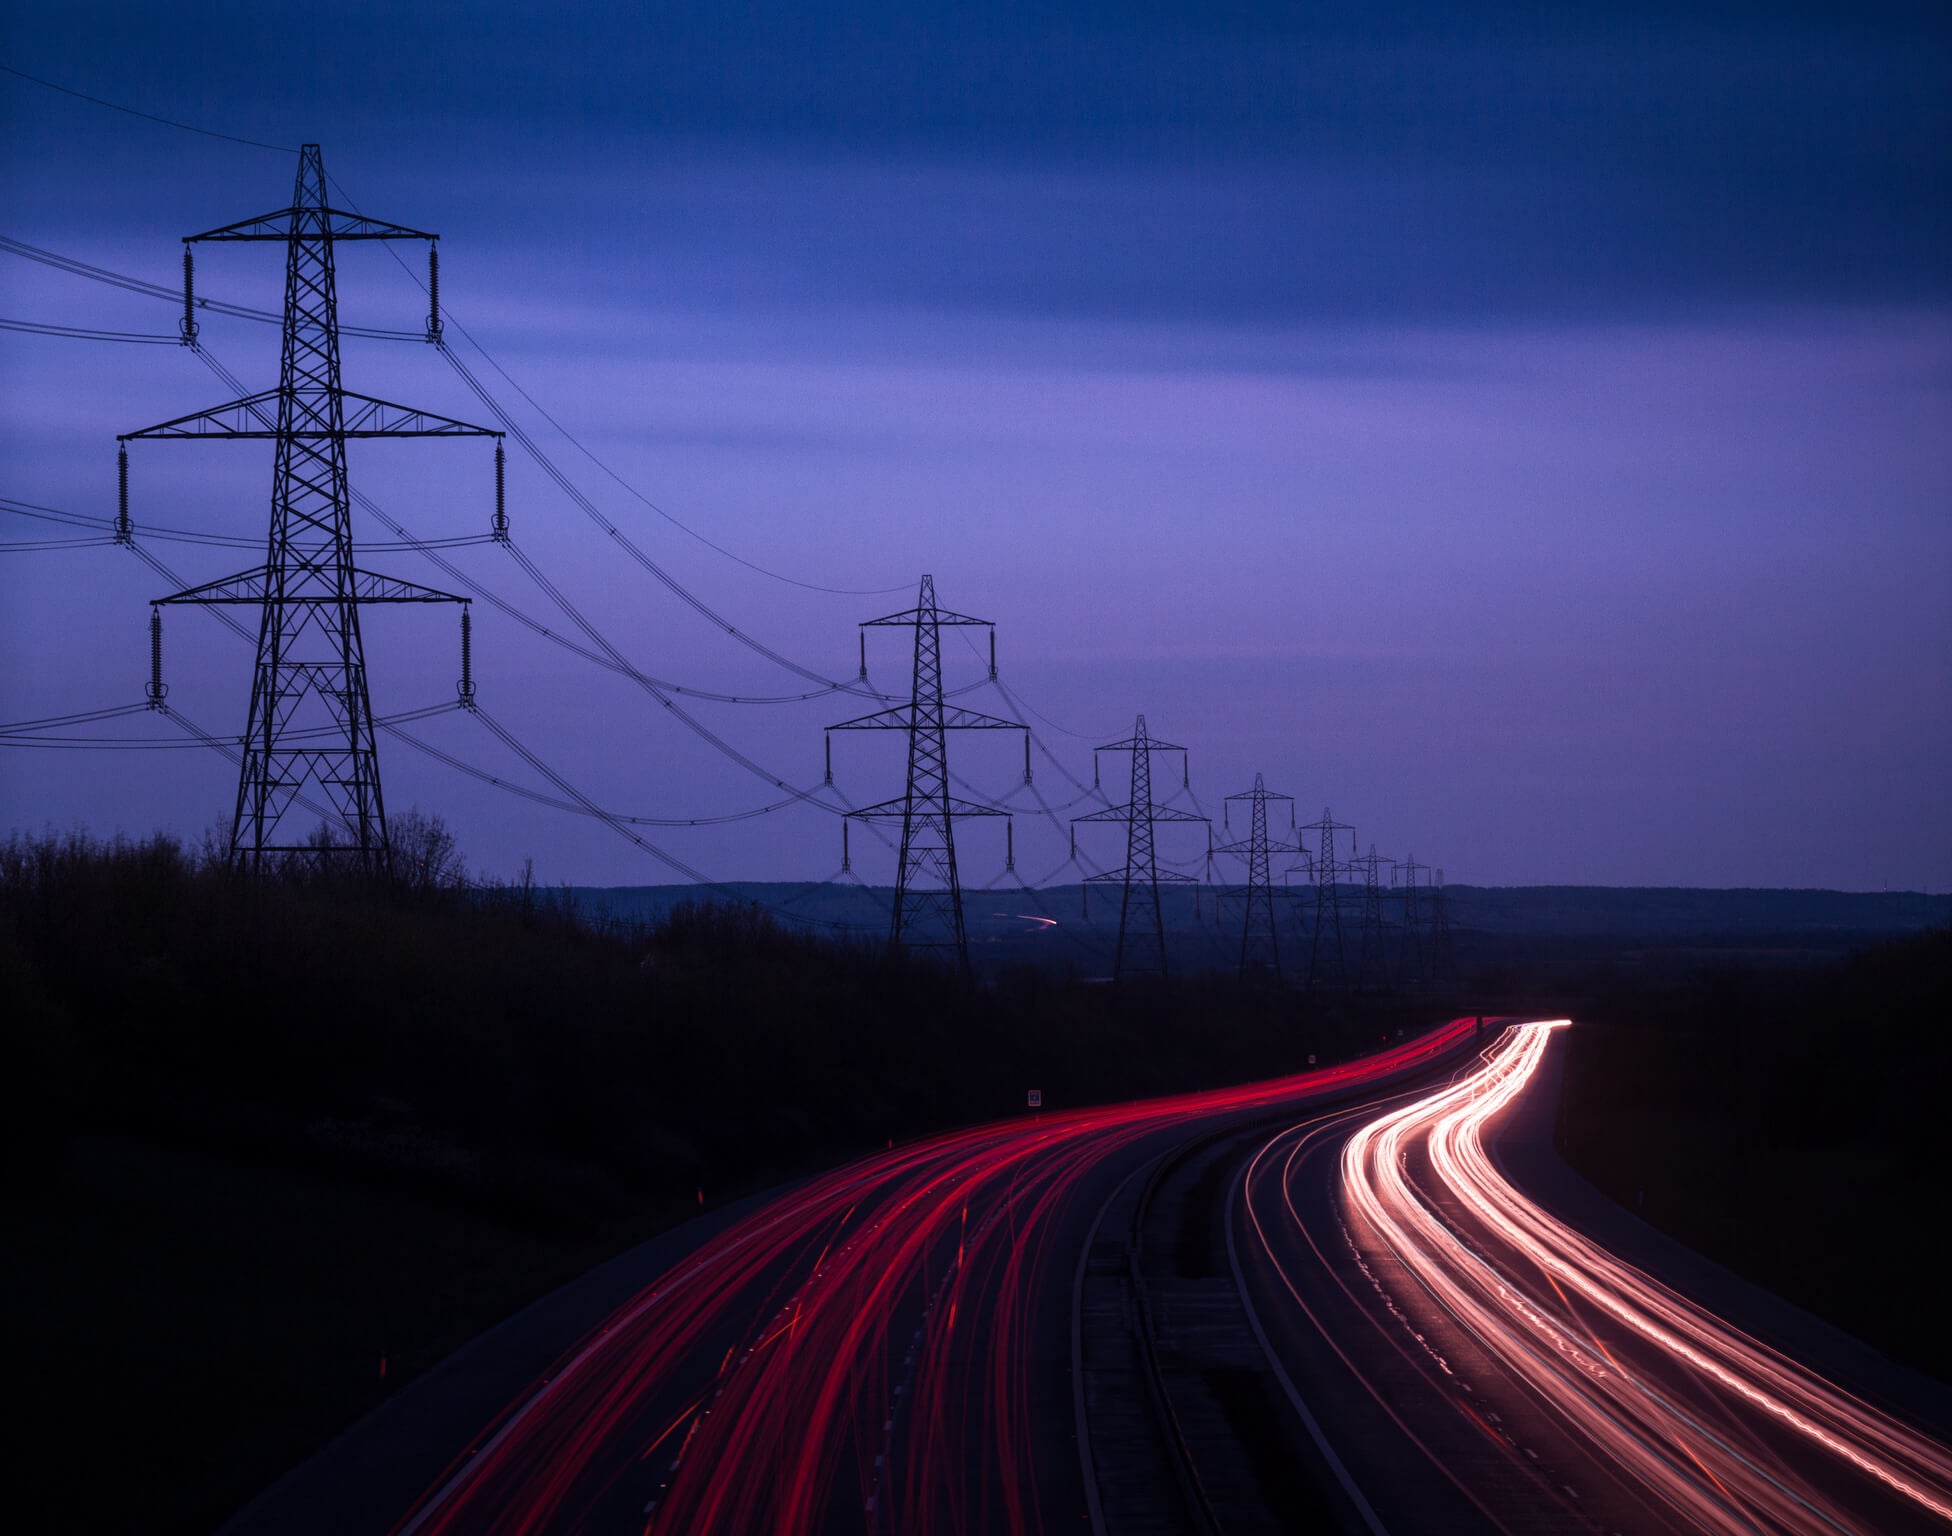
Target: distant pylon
{"x": 1441, "y": 960}
{"x": 928, "y": 893}
{"x": 1327, "y": 955}
{"x": 1413, "y": 956}
{"x": 1372, "y": 955}
{"x": 1141, "y": 920}
{"x": 1260, "y": 947}
{"x": 311, "y": 721}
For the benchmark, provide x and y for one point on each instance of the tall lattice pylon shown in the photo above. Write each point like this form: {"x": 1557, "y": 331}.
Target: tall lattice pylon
{"x": 928, "y": 894}
{"x": 1372, "y": 950}
{"x": 1442, "y": 959}
{"x": 309, "y": 739}
{"x": 1328, "y": 958}
{"x": 1141, "y": 920}
{"x": 1260, "y": 945}
{"x": 1414, "y": 956}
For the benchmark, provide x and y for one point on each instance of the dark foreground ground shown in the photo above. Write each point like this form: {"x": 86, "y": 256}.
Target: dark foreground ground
{"x": 1789, "y": 1123}
{"x": 270, "y": 1152}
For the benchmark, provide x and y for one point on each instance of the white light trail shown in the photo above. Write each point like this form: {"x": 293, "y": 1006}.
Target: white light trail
{"x": 1676, "y": 1401}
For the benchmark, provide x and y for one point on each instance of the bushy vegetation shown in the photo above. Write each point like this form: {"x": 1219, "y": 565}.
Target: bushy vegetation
{"x": 259, "y": 1136}
{"x": 273, "y": 1146}
{"x": 491, "y": 1045}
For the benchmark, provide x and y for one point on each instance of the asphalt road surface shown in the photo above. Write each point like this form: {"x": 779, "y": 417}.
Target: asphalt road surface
{"x": 1474, "y": 1363}
{"x": 906, "y": 1344}
{"x": 886, "y": 1347}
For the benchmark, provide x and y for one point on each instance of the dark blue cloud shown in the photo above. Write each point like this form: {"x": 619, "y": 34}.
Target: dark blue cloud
{"x": 1210, "y": 159}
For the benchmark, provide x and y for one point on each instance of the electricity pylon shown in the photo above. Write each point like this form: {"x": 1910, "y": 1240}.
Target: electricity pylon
{"x": 928, "y": 894}
{"x": 1413, "y": 948}
{"x": 311, "y": 720}
{"x": 1141, "y": 922}
{"x": 1440, "y": 950}
{"x": 1260, "y": 949}
{"x": 1325, "y": 871}
{"x": 1372, "y": 957}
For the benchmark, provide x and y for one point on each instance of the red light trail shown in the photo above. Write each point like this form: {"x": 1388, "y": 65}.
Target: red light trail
{"x": 1709, "y": 1429}
{"x": 864, "y": 1342}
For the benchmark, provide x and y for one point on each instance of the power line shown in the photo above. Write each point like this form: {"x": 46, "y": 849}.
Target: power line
{"x": 928, "y": 890}
{"x": 82, "y": 333}
{"x": 30, "y": 546}
{"x": 607, "y": 655}
{"x": 1141, "y": 918}
{"x": 73, "y": 266}
{"x": 311, "y": 718}
{"x": 223, "y": 540}
{"x": 167, "y": 122}
{"x": 621, "y": 539}
{"x": 570, "y": 437}
{"x": 578, "y": 444}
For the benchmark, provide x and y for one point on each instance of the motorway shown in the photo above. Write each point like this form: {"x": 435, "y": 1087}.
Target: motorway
{"x": 1478, "y": 1365}
{"x": 884, "y": 1348}
{"x": 1311, "y": 1304}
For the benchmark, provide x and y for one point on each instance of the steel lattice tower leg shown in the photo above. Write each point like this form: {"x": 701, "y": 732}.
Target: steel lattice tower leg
{"x": 309, "y": 743}
{"x": 1413, "y": 949}
{"x": 1327, "y": 926}
{"x": 311, "y": 661}
{"x": 1141, "y": 868}
{"x": 1260, "y": 950}
{"x": 928, "y": 893}
{"x": 1141, "y": 918}
{"x": 1440, "y": 952}
{"x": 1373, "y": 964}
{"x": 1259, "y": 946}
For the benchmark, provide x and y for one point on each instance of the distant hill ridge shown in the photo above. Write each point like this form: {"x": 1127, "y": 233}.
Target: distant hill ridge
{"x": 1652, "y": 912}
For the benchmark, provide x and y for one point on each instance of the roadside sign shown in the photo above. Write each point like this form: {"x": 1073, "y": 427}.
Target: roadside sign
{"x": 1311, "y": 1058}
{"x": 1036, "y": 1098}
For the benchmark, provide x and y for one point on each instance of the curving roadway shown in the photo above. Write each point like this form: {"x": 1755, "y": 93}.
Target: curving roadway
{"x": 1491, "y": 1368}
{"x": 883, "y": 1348}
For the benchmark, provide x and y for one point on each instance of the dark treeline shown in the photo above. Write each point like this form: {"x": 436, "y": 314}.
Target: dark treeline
{"x": 1788, "y": 1122}
{"x": 271, "y": 1147}
{"x": 274, "y": 1146}
{"x": 493, "y": 1045}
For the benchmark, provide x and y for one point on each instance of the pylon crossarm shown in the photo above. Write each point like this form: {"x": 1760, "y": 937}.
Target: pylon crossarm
{"x": 256, "y": 587}
{"x": 372, "y": 587}
{"x": 958, "y": 719}
{"x": 1156, "y": 814}
{"x": 367, "y": 417}
{"x": 287, "y": 222}
{"x": 1140, "y": 744}
{"x": 896, "y": 810}
{"x": 257, "y": 416}
{"x": 1118, "y": 876}
{"x": 1124, "y": 813}
{"x": 1245, "y": 846}
{"x": 914, "y": 616}
{"x": 228, "y": 420}
{"x": 901, "y": 718}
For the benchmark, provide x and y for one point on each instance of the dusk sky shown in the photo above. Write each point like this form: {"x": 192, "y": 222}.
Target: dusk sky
{"x": 1529, "y": 435}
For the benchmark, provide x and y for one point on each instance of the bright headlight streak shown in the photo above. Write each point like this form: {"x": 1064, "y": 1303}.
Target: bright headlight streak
{"x": 1714, "y": 1484}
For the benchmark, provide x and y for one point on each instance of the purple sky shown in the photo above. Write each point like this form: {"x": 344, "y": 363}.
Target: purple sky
{"x": 1530, "y": 440}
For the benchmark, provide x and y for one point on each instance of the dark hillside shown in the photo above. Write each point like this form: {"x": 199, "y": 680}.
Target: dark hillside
{"x": 1789, "y": 1125}
{"x": 272, "y": 1147}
